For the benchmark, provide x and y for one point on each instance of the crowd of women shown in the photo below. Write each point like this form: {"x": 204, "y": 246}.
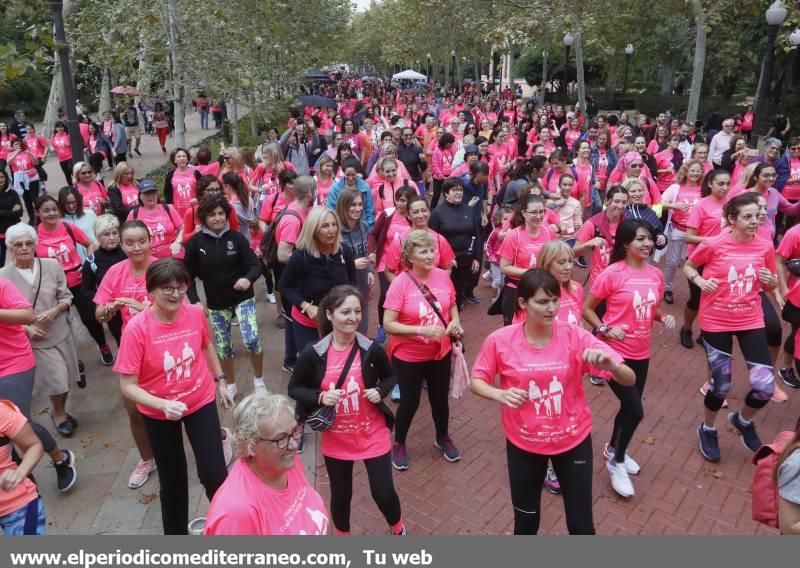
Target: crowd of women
{"x": 407, "y": 201}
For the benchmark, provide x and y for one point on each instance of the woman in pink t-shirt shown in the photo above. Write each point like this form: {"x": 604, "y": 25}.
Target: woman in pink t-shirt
{"x": 737, "y": 265}
{"x": 441, "y": 164}
{"x": 266, "y": 491}
{"x": 169, "y": 368}
{"x": 545, "y": 415}
{"x": 94, "y": 194}
{"x": 353, "y": 374}
{"x": 162, "y": 220}
{"x": 630, "y": 291}
{"x": 24, "y": 175}
{"x": 123, "y": 193}
{"x": 597, "y": 234}
{"x": 61, "y": 144}
{"x": 421, "y": 316}
{"x": 180, "y": 182}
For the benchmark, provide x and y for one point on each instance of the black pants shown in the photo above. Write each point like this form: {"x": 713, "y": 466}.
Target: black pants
{"x": 410, "y": 377}
{"x": 166, "y": 441}
{"x": 115, "y": 327}
{"x": 121, "y": 157}
{"x": 381, "y": 486}
{"x": 383, "y": 284}
{"x": 772, "y": 324}
{"x": 268, "y": 279}
{"x": 437, "y": 192}
{"x": 461, "y": 276}
{"x": 508, "y": 303}
{"x": 85, "y": 308}
{"x": 66, "y": 167}
{"x": 29, "y": 197}
{"x": 630, "y": 408}
{"x": 3, "y": 252}
{"x": 694, "y": 294}
{"x": 526, "y": 473}
{"x": 791, "y": 314}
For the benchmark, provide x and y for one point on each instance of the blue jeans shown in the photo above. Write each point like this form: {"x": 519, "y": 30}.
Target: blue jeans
{"x": 421, "y": 187}
{"x": 27, "y": 520}
{"x": 204, "y": 119}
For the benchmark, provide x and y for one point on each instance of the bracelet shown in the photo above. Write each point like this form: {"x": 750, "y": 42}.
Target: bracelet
{"x": 220, "y": 377}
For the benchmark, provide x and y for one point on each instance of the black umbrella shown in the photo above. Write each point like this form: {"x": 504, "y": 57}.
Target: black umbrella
{"x": 317, "y": 101}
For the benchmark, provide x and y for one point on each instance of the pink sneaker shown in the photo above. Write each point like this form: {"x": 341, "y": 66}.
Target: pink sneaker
{"x": 141, "y": 473}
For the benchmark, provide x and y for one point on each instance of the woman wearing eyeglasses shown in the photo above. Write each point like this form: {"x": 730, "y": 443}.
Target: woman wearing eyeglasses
{"x": 266, "y": 492}
{"x": 95, "y": 195}
{"x": 632, "y": 166}
{"x": 169, "y": 368}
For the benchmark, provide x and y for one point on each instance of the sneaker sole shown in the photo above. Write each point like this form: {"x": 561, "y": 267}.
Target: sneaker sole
{"x": 790, "y": 385}
{"x": 609, "y": 456}
{"x": 451, "y": 460}
{"x": 623, "y": 495}
{"x": 399, "y": 467}
{"x": 74, "y": 470}
{"x": 130, "y": 486}
{"x": 702, "y": 453}
{"x": 553, "y": 491}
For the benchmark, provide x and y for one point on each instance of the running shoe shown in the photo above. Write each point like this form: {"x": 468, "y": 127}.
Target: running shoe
{"x": 138, "y": 153}
{"x": 235, "y": 322}
{"x": 473, "y": 299}
{"x": 259, "y": 385}
{"x": 449, "y": 450}
{"x": 619, "y": 478}
{"x": 287, "y": 368}
{"x": 581, "y": 262}
{"x": 66, "y": 474}
{"x": 141, "y": 473}
{"x": 403, "y": 532}
{"x": 81, "y": 375}
{"x": 709, "y": 443}
{"x": 779, "y": 395}
{"x": 704, "y": 389}
{"x": 630, "y": 464}
{"x": 750, "y": 439}
{"x": 686, "y": 338}
{"x": 380, "y": 336}
{"x": 280, "y": 322}
{"x": 106, "y": 357}
{"x": 551, "y": 481}
{"x": 669, "y": 297}
{"x": 399, "y": 459}
{"x": 789, "y": 377}
{"x": 487, "y": 276}
{"x": 270, "y": 298}
{"x": 227, "y": 446}
{"x": 232, "y": 389}
{"x": 597, "y": 381}
{"x": 395, "y": 396}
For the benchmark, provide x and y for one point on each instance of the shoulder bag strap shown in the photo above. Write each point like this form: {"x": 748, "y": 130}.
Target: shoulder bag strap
{"x": 348, "y": 364}
{"x": 38, "y": 283}
{"x": 424, "y": 295}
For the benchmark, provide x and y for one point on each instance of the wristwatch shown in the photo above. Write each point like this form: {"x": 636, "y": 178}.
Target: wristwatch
{"x": 602, "y": 329}
{"x": 220, "y": 377}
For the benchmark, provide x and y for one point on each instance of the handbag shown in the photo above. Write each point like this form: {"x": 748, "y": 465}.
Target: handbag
{"x": 322, "y": 417}
{"x": 459, "y": 371}
{"x": 793, "y": 266}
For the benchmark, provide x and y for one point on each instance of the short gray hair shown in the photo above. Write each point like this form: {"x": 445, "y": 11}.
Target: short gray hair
{"x": 18, "y": 231}
{"x": 304, "y": 187}
{"x": 253, "y": 411}
{"x": 105, "y": 223}
{"x": 773, "y": 142}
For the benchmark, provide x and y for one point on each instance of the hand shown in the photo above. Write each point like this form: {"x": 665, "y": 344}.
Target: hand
{"x": 668, "y": 321}
{"x": 766, "y": 277}
{"x": 512, "y": 397}
{"x": 708, "y": 286}
{"x": 199, "y": 228}
{"x": 780, "y": 298}
{"x": 241, "y": 285}
{"x": 682, "y": 207}
{"x": 474, "y": 201}
{"x": 311, "y": 311}
{"x": 372, "y": 258}
{"x": 175, "y": 248}
{"x": 9, "y": 479}
{"x": 193, "y": 201}
{"x": 47, "y": 317}
{"x": 484, "y": 220}
{"x": 331, "y": 397}
{"x": 476, "y": 266}
{"x": 361, "y": 263}
{"x": 372, "y": 395}
{"x": 17, "y": 207}
{"x": 597, "y": 242}
{"x": 616, "y": 333}
{"x": 599, "y": 359}
{"x": 454, "y": 329}
{"x": 173, "y": 409}
{"x": 661, "y": 240}
{"x": 370, "y": 281}
{"x": 224, "y": 395}
{"x": 34, "y": 332}
{"x": 432, "y": 331}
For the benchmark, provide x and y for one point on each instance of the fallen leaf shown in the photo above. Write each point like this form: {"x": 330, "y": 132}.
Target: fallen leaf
{"x": 44, "y": 410}
{"x": 649, "y": 440}
{"x": 87, "y": 441}
{"x": 146, "y": 498}
{"x": 108, "y": 445}
{"x": 712, "y": 471}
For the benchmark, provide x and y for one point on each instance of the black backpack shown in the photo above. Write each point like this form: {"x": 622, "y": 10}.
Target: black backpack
{"x": 269, "y": 246}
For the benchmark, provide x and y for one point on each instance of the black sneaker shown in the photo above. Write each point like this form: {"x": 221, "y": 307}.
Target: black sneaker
{"x": 580, "y": 261}
{"x": 66, "y": 473}
{"x": 686, "y": 338}
{"x": 750, "y": 439}
{"x": 81, "y": 375}
{"x": 449, "y": 450}
{"x": 789, "y": 378}
{"x": 597, "y": 381}
{"x": 287, "y": 368}
{"x": 473, "y": 299}
{"x": 138, "y": 152}
{"x": 669, "y": 297}
{"x": 709, "y": 444}
{"x": 106, "y": 357}
{"x": 399, "y": 459}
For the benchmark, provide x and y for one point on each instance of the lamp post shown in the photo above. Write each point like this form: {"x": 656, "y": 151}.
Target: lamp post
{"x": 430, "y": 69}
{"x": 775, "y": 15}
{"x": 628, "y": 53}
{"x": 794, "y": 41}
{"x": 568, "y": 40}
{"x": 59, "y": 36}
{"x": 453, "y": 68}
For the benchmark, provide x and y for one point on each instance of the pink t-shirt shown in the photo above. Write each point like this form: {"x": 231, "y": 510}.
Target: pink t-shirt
{"x": 632, "y": 296}
{"x": 183, "y": 189}
{"x": 398, "y": 229}
{"x": 289, "y": 226}
{"x": 245, "y": 505}
{"x": 557, "y": 418}
{"x": 163, "y": 228}
{"x": 268, "y": 212}
{"x": 601, "y": 254}
{"x": 11, "y": 422}
{"x": 689, "y": 195}
{"x": 736, "y": 304}
{"x": 23, "y": 162}
{"x": 405, "y": 298}
{"x": 16, "y": 354}
{"x": 359, "y": 431}
{"x": 570, "y": 309}
{"x": 705, "y": 219}
{"x": 521, "y": 249}
{"x": 129, "y": 193}
{"x": 119, "y": 282}
{"x": 443, "y": 252}
{"x": 211, "y": 169}
{"x": 62, "y": 145}
{"x": 60, "y": 245}
{"x": 791, "y": 191}
{"x": 789, "y": 248}
{"x": 92, "y": 196}
{"x": 583, "y": 187}
{"x": 168, "y": 358}
{"x": 36, "y": 145}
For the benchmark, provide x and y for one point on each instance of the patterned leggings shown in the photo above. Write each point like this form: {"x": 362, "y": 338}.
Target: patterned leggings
{"x": 221, "y": 326}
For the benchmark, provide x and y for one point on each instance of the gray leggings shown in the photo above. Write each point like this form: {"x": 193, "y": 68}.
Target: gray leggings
{"x": 18, "y": 388}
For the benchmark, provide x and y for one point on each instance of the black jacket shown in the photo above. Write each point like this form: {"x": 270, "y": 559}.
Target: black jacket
{"x": 643, "y": 212}
{"x": 117, "y": 206}
{"x": 96, "y": 265}
{"x": 376, "y": 372}
{"x": 8, "y": 199}
{"x": 219, "y": 261}
{"x": 309, "y": 279}
{"x": 458, "y": 224}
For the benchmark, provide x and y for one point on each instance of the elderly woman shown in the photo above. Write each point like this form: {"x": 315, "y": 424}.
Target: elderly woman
{"x": 228, "y": 267}
{"x": 169, "y": 368}
{"x": 101, "y": 260}
{"x": 43, "y": 283}
{"x": 266, "y": 492}
{"x": 17, "y": 361}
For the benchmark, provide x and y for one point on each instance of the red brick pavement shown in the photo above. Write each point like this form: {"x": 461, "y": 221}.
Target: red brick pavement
{"x": 677, "y": 492}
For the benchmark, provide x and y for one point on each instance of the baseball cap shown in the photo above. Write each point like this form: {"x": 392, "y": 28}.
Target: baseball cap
{"x": 147, "y": 185}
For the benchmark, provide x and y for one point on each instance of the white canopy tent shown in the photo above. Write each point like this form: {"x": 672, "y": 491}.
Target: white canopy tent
{"x": 409, "y": 74}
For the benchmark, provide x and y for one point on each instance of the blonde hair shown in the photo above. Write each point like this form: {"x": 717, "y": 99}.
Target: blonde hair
{"x": 253, "y": 411}
{"x": 76, "y": 168}
{"x": 120, "y": 171}
{"x": 236, "y": 158}
{"x": 551, "y": 252}
{"x": 307, "y": 240}
{"x": 683, "y": 171}
{"x": 747, "y": 174}
{"x": 106, "y": 222}
{"x": 416, "y": 238}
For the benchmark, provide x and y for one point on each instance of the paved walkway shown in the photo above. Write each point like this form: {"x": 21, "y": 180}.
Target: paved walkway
{"x": 678, "y": 492}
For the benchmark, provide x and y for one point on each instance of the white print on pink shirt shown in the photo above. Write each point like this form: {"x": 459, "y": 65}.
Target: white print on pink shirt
{"x": 605, "y": 253}
{"x": 571, "y": 319}
{"x": 185, "y": 191}
{"x": 644, "y": 307}
{"x": 131, "y": 199}
{"x": 427, "y": 317}
{"x": 741, "y": 284}
{"x": 319, "y": 519}
{"x": 158, "y": 234}
{"x": 62, "y": 254}
{"x": 550, "y": 398}
{"x": 179, "y": 370}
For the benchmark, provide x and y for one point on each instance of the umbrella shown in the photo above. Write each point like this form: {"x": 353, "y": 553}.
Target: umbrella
{"x": 409, "y": 74}
{"x": 317, "y": 101}
{"x": 126, "y": 91}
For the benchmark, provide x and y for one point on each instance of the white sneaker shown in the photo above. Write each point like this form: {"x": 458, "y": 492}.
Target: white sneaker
{"x": 259, "y": 386}
{"x": 487, "y": 276}
{"x": 630, "y": 464}
{"x": 271, "y": 298}
{"x": 232, "y": 390}
{"x": 619, "y": 478}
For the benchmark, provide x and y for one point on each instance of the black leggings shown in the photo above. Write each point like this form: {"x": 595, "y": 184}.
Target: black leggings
{"x": 631, "y": 411}
{"x": 791, "y": 314}
{"x": 772, "y": 323}
{"x": 383, "y": 283}
{"x": 85, "y": 308}
{"x": 437, "y": 192}
{"x": 508, "y": 303}
{"x": 115, "y": 327}
{"x": 66, "y": 167}
{"x": 526, "y": 476}
{"x": 461, "y": 277}
{"x": 267, "y": 272}
{"x": 381, "y": 486}
{"x": 29, "y": 197}
{"x": 166, "y": 441}
{"x": 694, "y": 294}
{"x": 409, "y": 378}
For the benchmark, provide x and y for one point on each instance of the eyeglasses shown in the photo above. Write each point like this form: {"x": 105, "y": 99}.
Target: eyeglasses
{"x": 86, "y": 172}
{"x": 794, "y": 148}
{"x": 637, "y": 166}
{"x": 24, "y": 244}
{"x": 283, "y": 442}
{"x": 537, "y": 213}
{"x": 172, "y": 290}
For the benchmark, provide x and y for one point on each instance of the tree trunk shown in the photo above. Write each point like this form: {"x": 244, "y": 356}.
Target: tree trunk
{"x": 667, "y": 77}
{"x": 253, "y": 128}
{"x": 56, "y": 97}
{"x": 611, "y": 82}
{"x": 543, "y": 89}
{"x": 576, "y": 26}
{"x": 235, "y": 122}
{"x": 177, "y": 75}
{"x": 699, "y": 60}
{"x": 104, "y": 97}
